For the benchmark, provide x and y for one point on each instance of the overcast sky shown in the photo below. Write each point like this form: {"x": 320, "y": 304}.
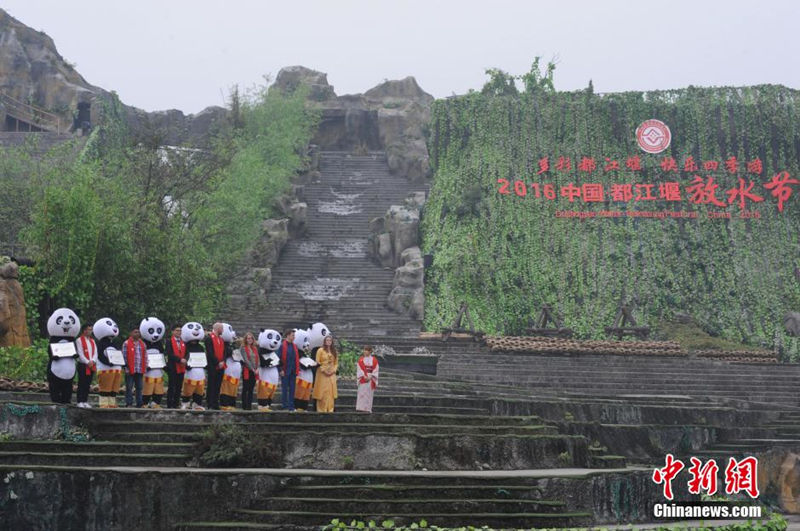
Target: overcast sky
{"x": 186, "y": 54}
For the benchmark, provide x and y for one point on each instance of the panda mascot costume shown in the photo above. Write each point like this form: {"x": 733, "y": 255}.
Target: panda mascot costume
{"x": 233, "y": 370}
{"x": 317, "y": 333}
{"x": 268, "y": 375}
{"x": 62, "y": 327}
{"x": 109, "y": 361}
{"x": 305, "y": 376}
{"x": 153, "y": 331}
{"x": 194, "y": 381}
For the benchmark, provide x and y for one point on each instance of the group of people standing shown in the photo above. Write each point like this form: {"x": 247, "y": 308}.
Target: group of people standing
{"x": 201, "y": 365}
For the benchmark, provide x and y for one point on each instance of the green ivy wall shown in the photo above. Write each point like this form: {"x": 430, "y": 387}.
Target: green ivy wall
{"x": 505, "y": 254}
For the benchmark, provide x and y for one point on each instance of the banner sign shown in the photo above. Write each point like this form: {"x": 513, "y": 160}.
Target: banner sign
{"x": 744, "y": 188}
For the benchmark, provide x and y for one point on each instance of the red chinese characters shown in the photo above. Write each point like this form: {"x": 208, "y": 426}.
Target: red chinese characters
{"x": 703, "y": 193}
{"x": 742, "y": 476}
{"x": 742, "y": 194}
{"x": 587, "y": 164}
{"x": 703, "y": 478}
{"x": 667, "y": 474}
{"x": 780, "y": 187}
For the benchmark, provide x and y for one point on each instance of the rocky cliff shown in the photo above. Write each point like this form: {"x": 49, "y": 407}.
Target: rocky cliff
{"x": 33, "y": 72}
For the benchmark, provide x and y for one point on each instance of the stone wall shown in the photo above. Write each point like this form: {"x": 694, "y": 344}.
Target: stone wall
{"x": 13, "y": 324}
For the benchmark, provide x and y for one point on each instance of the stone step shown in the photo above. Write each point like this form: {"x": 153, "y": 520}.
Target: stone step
{"x": 436, "y": 503}
{"x": 104, "y": 428}
{"x": 256, "y": 420}
{"x": 444, "y": 489}
{"x": 99, "y": 447}
{"x": 93, "y": 458}
{"x": 495, "y": 519}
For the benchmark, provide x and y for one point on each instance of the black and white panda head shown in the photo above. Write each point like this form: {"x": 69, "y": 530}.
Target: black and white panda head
{"x": 152, "y": 329}
{"x": 63, "y": 323}
{"x": 105, "y": 327}
{"x": 192, "y": 331}
{"x": 301, "y": 339}
{"x": 269, "y": 340}
{"x": 317, "y": 333}
{"x": 228, "y": 334}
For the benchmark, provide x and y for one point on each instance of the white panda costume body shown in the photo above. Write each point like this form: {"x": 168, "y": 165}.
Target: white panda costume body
{"x": 269, "y": 341}
{"x": 194, "y": 381}
{"x": 233, "y": 364}
{"x": 109, "y": 374}
{"x": 153, "y": 331}
{"x": 233, "y": 370}
{"x": 305, "y": 375}
{"x": 62, "y": 327}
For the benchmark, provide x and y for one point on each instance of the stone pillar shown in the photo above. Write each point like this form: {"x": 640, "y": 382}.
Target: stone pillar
{"x": 13, "y": 323}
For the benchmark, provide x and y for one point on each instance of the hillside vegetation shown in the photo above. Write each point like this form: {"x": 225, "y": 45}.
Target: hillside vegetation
{"x": 506, "y": 254}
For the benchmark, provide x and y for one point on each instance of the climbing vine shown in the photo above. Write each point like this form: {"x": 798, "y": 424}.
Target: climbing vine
{"x": 506, "y": 255}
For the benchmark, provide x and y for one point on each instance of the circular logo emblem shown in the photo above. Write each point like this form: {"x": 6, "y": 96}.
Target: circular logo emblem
{"x": 653, "y": 136}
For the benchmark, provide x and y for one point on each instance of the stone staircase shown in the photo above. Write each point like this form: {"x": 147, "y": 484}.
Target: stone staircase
{"x": 327, "y": 276}
{"x": 446, "y": 451}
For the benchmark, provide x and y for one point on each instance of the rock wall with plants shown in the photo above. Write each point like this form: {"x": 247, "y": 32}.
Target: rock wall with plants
{"x": 506, "y": 254}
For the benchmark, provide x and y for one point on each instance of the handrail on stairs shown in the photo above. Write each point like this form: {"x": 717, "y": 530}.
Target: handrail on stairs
{"x": 30, "y": 114}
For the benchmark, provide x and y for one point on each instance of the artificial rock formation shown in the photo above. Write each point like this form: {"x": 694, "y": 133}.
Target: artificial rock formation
{"x": 395, "y": 243}
{"x": 391, "y": 117}
{"x": 13, "y": 325}
{"x": 32, "y": 71}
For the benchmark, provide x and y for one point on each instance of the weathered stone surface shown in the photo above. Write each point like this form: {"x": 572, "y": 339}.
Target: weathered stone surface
{"x": 298, "y": 219}
{"x": 274, "y": 235}
{"x": 791, "y": 321}
{"x": 408, "y": 301}
{"x": 32, "y": 71}
{"x": 376, "y": 225}
{"x": 385, "y": 249}
{"x": 290, "y": 78}
{"x": 409, "y": 275}
{"x": 409, "y": 158}
{"x": 403, "y": 224}
{"x": 13, "y": 324}
{"x": 412, "y": 254}
{"x": 82, "y": 498}
{"x": 415, "y": 200}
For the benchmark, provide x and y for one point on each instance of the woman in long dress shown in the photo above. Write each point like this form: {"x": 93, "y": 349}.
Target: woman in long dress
{"x": 367, "y": 378}
{"x": 325, "y": 388}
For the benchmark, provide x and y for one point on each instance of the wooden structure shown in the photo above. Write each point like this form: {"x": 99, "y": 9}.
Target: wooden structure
{"x": 625, "y": 324}
{"x": 458, "y": 327}
{"x": 540, "y": 328}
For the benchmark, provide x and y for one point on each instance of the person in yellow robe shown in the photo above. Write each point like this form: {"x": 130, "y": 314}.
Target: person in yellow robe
{"x": 325, "y": 389}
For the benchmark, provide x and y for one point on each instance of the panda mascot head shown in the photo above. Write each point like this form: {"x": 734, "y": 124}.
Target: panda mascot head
{"x": 152, "y": 330}
{"x": 64, "y": 323}
{"x": 317, "y": 333}
{"x": 105, "y": 327}
{"x": 301, "y": 340}
{"x": 228, "y": 334}
{"x": 269, "y": 340}
{"x": 192, "y": 331}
